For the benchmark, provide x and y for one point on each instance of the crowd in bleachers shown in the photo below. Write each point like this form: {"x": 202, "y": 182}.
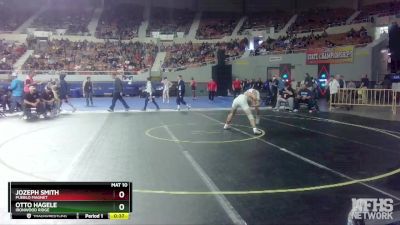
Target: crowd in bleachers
{"x": 12, "y": 15}
{"x": 379, "y": 9}
{"x": 181, "y": 56}
{"x": 318, "y": 19}
{"x": 170, "y": 21}
{"x": 75, "y": 20}
{"x": 290, "y": 43}
{"x": 263, "y": 20}
{"x": 10, "y": 53}
{"x": 120, "y": 21}
{"x": 216, "y": 25}
{"x": 91, "y": 56}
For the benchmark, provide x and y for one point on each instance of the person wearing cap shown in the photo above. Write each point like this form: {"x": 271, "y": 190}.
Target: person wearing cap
{"x": 250, "y": 98}
{"x": 17, "y": 91}
{"x": 117, "y": 93}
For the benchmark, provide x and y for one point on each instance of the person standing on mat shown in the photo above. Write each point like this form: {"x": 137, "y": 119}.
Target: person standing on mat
{"x": 180, "y": 94}
{"x": 236, "y": 87}
{"x": 250, "y": 98}
{"x": 64, "y": 89}
{"x": 193, "y": 86}
{"x": 212, "y": 89}
{"x": 166, "y": 86}
{"x": 88, "y": 91}
{"x": 149, "y": 95}
{"x": 117, "y": 93}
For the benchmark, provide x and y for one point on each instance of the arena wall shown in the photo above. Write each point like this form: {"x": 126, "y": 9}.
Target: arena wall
{"x": 370, "y": 2}
{"x": 255, "y": 67}
{"x": 301, "y": 5}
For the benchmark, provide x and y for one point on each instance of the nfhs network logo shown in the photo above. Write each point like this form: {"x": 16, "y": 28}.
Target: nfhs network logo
{"x": 372, "y": 208}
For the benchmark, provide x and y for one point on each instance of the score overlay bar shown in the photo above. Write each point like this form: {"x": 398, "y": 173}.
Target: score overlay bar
{"x": 70, "y": 200}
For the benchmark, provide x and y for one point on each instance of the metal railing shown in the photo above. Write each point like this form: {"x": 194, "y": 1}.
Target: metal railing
{"x": 366, "y": 97}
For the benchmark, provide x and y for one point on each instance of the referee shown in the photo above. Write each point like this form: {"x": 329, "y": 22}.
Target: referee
{"x": 117, "y": 94}
{"x": 180, "y": 94}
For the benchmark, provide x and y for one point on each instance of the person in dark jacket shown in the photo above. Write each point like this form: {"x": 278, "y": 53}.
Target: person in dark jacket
{"x": 117, "y": 93}
{"x": 180, "y": 94}
{"x": 64, "y": 90}
{"x": 88, "y": 91}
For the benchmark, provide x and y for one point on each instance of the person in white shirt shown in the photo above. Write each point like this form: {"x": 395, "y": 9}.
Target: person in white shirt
{"x": 333, "y": 88}
{"x": 149, "y": 95}
{"x": 166, "y": 86}
{"x": 250, "y": 98}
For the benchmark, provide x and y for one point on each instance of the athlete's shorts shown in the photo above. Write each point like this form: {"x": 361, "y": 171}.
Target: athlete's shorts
{"x": 240, "y": 101}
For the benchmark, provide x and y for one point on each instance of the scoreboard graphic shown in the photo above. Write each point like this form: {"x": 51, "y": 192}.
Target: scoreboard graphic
{"x": 70, "y": 200}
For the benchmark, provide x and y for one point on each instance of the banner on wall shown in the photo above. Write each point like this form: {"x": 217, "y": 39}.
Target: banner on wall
{"x": 336, "y": 55}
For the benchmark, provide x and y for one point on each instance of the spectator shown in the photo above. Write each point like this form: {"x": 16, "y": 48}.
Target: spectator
{"x": 120, "y": 21}
{"x": 274, "y": 89}
{"x": 236, "y": 87}
{"x": 17, "y": 89}
{"x": 170, "y": 21}
{"x": 30, "y": 82}
{"x": 87, "y": 87}
{"x": 333, "y": 89}
{"x": 32, "y": 100}
{"x": 215, "y": 25}
{"x": 250, "y": 84}
{"x": 212, "y": 89}
{"x": 132, "y": 57}
{"x": 304, "y": 96}
{"x": 193, "y": 86}
{"x": 245, "y": 84}
{"x": 258, "y": 85}
{"x": 49, "y": 101}
{"x": 365, "y": 81}
{"x": 287, "y": 96}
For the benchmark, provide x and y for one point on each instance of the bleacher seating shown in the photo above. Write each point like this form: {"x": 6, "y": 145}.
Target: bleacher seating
{"x": 182, "y": 56}
{"x": 120, "y": 21}
{"x": 379, "y": 9}
{"x": 91, "y": 56}
{"x": 263, "y": 20}
{"x": 290, "y": 44}
{"x": 9, "y": 53}
{"x": 319, "y": 19}
{"x": 74, "y": 20}
{"x": 216, "y": 25}
{"x": 13, "y": 14}
{"x": 170, "y": 21}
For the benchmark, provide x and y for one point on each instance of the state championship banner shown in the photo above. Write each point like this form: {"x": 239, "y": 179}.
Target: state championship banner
{"x": 336, "y": 55}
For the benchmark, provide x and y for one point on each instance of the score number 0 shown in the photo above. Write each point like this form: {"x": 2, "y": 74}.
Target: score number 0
{"x": 121, "y": 195}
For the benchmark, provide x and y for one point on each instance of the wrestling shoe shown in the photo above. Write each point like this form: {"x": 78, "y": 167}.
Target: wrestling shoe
{"x": 227, "y": 126}
{"x": 257, "y": 131}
